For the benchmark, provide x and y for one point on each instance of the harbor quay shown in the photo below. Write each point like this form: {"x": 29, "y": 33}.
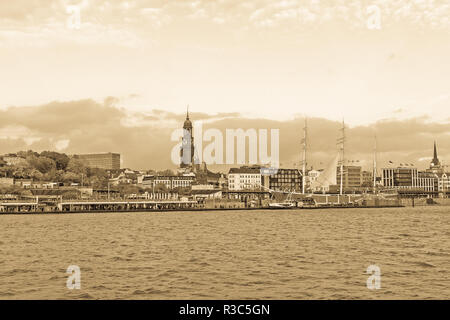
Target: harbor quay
{"x": 57, "y": 205}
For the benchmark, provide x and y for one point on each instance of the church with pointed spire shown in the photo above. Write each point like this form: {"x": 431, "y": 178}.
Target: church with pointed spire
{"x": 435, "y": 165}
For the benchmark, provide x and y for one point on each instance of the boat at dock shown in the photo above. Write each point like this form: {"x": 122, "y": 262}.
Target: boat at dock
{"x": 282, "y": 205}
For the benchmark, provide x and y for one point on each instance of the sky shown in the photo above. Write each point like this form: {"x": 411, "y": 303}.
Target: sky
{"x": 121, "y": 78}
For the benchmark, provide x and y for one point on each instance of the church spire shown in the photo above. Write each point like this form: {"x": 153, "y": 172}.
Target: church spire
{"x": 435, "y": 162}
{"x": 187, "y": 113}
{"x": 435, "y": 152}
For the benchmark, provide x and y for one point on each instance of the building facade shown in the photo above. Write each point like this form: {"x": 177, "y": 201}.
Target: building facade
{"x": 107, "y": 161}
{"x": 312, "y": 180}
{"x": 244, "y": 178}
{"x": 286, "y": 180}
{"x": 170, "y": 182}
{"x": 352, "y": 177}
{"x": 407, "y": 178}
{"x": 444, "y": 184}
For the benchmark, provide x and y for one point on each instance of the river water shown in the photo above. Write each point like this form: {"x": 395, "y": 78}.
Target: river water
{"x": 303, "y": 254}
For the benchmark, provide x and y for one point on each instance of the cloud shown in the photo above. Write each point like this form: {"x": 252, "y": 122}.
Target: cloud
{"x": 88, "y": 126}
{"x": 137, "y": 17}
{"x": 61, "y": 145}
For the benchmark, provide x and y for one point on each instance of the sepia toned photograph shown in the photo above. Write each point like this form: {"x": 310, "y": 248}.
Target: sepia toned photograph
{"x": 224, "y": 150}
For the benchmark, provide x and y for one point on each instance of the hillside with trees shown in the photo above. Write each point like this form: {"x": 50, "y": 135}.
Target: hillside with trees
{"x": 51, "y": 166}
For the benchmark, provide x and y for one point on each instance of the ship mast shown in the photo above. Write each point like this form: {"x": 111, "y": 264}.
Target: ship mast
{"x": 375, "y": 166}
{"x": 341, "y": 143}
{"x": 304, "y": 144}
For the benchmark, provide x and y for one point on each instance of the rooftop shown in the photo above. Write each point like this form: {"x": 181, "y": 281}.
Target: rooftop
{"x": 245, "y": 170}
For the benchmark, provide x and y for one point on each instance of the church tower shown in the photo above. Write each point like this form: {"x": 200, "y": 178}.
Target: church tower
{"x": 435, "y": 163}
{"x": 187, "y": 145}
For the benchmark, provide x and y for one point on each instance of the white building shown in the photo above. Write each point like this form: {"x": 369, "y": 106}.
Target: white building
{"x": 312, "y": 180}
{"x": 444, "y": 182}
{"x": 407, "y": 178}
{"x": 244, "y": 178}
{"x": 171, "y": 182}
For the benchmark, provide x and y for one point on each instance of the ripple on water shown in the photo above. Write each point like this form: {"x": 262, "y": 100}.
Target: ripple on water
{"x": 234, "y": 255}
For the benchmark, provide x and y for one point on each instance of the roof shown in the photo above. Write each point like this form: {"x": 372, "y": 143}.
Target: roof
{"x": 147, "y": 178}
{"x": 205, "y": 191}
{"x": 245, "y": 170}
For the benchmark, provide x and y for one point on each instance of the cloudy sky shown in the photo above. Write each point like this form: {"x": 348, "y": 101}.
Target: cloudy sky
{"x": 107, "y": 84}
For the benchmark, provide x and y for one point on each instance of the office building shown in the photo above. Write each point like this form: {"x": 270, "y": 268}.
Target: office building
{"x": 352, "y": 177}
{"x": 408, "y": 178}
{"x": 107, "y": 161}
{"x": 286, "y": 180}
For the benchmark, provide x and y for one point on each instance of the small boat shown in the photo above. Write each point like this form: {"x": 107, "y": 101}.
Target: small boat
{"x": 282, "y": 205}
{"x": 286, "y": 204}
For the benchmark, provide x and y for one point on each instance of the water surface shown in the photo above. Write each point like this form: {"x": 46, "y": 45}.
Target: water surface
{"x": 303, "y": 254}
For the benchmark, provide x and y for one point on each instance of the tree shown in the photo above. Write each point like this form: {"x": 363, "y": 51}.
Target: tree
{"x": 6, "y": 172}
{"x": 76, "y": 166}
{"x": 160, "y": 187}
{"x": 14, "y": 190}
{"x": 98, "y": 182}
{"x": 43, "y": 164}
{"x": 70, "y": 177}
{"x": 71, "y": 195}
{"x": 61, "y": 159}
{"x": 22, "y": 170}
{"x": 167, "y": 172}
{"x": 127, "y": 189}
{"x": 26, "y": 154}
{"x": 36, "y": 175}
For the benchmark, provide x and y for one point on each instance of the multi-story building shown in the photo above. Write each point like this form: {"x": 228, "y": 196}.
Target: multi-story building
{"x": 107, "y": 161}
{"x": 286, "y": 180}
{"x": 444, "y": 184}
{"x": 171, "y": 182}
{"x": 352, "y": 177}
{"x": 407, "y": 178}
{"x": 256, "y": 178}
{"x": 244, "y": 178}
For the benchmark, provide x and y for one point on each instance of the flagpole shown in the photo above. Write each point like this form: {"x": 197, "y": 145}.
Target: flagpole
{"x": 342, "y": 158}
{"x": 375, "y": 166}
